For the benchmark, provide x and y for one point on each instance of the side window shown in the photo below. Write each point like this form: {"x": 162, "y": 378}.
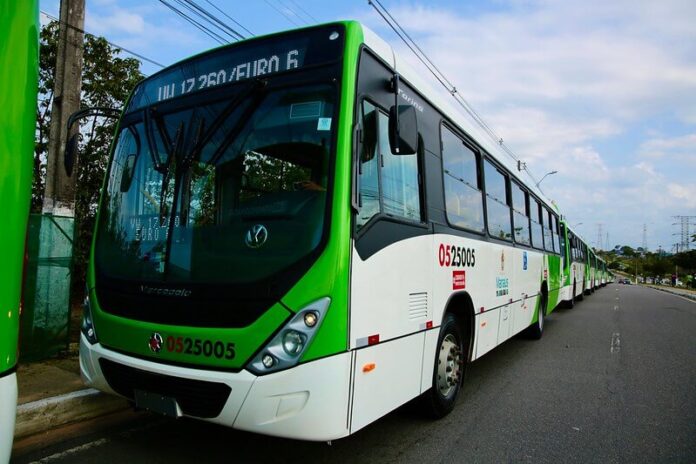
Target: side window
{"x": 400, "y": 189}
{"x": 520, "y": 214}
{"x": 497, "y": 209}
{"x": 561, "y": 238}
{"x": 548, "y": 234}
{"x": 388, "y": 183}
{"x": 463, "y": 196}
{"x": 537, "y": 225}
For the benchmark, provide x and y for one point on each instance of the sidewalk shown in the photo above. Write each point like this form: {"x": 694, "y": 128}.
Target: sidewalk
{"x": 51, "y": 394}
{"x": 683, "y": 292}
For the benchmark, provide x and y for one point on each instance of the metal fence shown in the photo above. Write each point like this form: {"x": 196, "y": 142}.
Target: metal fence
{"x": 45, "y": 320}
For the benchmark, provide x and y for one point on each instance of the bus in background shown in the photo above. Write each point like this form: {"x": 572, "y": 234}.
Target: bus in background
{"x": 19, "y": 62}
{"x": 296, "y": 236}
{"x": 577, "y": 270}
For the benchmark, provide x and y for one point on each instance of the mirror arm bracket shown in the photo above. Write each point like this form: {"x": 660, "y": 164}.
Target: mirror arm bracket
{"x": 71, "y": 144}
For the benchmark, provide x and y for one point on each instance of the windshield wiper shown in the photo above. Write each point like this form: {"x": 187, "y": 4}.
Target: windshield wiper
{"x": 236, "y": 129}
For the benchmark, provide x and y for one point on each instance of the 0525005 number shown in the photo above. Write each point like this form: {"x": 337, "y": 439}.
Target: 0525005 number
{"x": 198, "y": 347}
{"x": 456, "y": 256}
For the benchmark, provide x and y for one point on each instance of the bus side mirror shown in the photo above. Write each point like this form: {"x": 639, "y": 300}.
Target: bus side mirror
{"x": 403, "y": 130}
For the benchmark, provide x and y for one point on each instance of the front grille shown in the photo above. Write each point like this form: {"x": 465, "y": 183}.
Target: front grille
{"x": 207, "y": 305}
{"x": 195, "y": 397}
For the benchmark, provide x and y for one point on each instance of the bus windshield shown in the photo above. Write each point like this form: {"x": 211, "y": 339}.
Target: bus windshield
{"x": 230, "y": 191}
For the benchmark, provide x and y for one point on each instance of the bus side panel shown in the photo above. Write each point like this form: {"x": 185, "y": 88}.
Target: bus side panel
{"x": 391, "y": 291}
{"x": 386, "y": 377}
{"x": 527, "y": 284}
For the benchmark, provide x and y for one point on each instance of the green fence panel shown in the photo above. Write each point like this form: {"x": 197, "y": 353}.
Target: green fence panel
{"x": 44, "y": 325}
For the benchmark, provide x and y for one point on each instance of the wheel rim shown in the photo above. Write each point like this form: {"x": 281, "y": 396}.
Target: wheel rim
{"x": 449, "y": 365}
{"x": 541, "y": 316}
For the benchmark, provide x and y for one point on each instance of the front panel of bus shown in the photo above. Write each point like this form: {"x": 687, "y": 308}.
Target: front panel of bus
{"x": 221, "y": 249}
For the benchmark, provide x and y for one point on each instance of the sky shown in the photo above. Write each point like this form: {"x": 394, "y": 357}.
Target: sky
{"x": 604, "y": 92}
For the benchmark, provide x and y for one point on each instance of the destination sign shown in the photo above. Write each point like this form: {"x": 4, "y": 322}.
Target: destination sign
{"x": 240, "y": 62}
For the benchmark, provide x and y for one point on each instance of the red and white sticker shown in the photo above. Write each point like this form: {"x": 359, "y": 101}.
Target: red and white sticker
{"x": 458, "y": 280}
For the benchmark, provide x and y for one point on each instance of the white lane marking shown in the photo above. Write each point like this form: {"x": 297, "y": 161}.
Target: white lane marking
{"x": 615, "y": 342}
{"x": 71, "y": 451}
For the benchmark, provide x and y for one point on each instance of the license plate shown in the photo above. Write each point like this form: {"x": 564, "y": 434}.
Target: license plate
{"x": 157, "y": 403}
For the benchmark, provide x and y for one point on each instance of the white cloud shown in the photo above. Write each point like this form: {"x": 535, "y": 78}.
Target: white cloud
{"x": 563, "y": 82}
{"x": 117, "y": 20}
{"x": 684, "y": 194}
{"x": 681, "y": 148}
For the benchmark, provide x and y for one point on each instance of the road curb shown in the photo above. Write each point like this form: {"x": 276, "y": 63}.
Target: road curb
{"x": 45, "y": 414}
{"x": 683, "y": 295}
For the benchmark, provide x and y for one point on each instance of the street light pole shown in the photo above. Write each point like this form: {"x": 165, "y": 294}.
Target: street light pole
{"x": 547, "y": 174}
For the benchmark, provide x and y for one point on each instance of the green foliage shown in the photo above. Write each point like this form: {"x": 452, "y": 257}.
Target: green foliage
{"x": 107, "y": 80}
{"x": 627, "y": 251}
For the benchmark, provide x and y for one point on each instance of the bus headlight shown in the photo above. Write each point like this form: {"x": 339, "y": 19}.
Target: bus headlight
{"x": 293, "y": 342}
{"x": 286, "y": 347}
{"x": 87, "y": 322}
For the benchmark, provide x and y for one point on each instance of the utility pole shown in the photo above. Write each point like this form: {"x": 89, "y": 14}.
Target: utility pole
{"x": 599, "y": 236}
{"x": 59, "y": 196}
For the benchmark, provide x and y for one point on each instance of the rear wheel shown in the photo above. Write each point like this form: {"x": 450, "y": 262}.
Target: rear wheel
{"x": 536, "y": 330}
{"x": 448, "y": 371}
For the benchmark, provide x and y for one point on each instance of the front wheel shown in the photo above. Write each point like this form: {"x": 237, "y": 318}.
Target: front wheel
{"x": 448, "y": 371}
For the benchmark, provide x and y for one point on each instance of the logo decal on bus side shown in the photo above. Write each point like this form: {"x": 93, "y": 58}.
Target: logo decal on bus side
{"x": 458, "y": 280}
{"x": 502, "y": 286}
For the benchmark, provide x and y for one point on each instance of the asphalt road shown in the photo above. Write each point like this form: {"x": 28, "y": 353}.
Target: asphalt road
{"x": 612, "y": 380}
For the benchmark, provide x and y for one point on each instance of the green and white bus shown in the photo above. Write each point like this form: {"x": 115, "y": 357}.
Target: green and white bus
{"x": 297, "y": 236}
{"x": 19, "y": 62}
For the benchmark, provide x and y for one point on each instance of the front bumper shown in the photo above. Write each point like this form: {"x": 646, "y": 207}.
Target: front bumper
{"x": 307, "y": 402}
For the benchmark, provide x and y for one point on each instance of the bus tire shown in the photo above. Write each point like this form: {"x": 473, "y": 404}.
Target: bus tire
{"x": 448, "y": 370}
{"x": 536, "y": 330}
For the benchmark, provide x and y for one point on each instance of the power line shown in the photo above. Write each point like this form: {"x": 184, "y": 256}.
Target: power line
{"x": 281, "y": 12}
{"x": 130, "y": 52}
{"x": 230, "y": 17}
{"x": 304, "y": 11}
{"x": 442, "y": 79}
{"x": 212, "y": 20}
{"x": 195, "y": 23}
{"x": 292, "y": 11}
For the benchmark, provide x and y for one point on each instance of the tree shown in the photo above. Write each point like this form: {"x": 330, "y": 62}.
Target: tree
{"x": 686, "y": 260}
{"x": 107, "y": 80}
{"x": 627, "y": 251}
